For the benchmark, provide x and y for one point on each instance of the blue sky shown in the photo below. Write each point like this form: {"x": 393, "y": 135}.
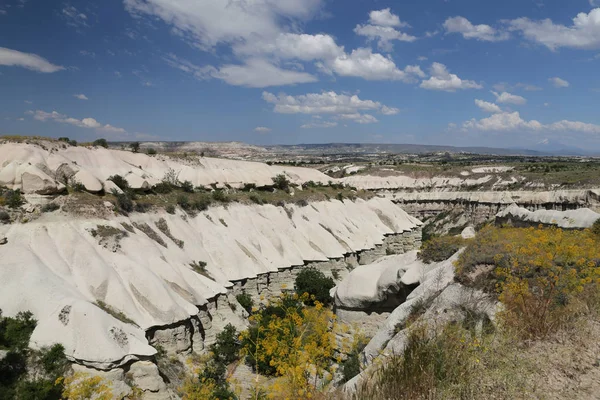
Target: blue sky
{"x": 462, "y": 72}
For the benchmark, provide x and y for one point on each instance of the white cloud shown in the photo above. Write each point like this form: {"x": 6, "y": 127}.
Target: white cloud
{"x": 443, "y": 80}
{"x": 508, "y": 98}
{"x": 558, "y": 82}
{"x": 255, "y": 72}
{"x": 88, "y": 123}
{"x": 385, "y": 110}
{"x": 574, "y": 126}
{"x": 487, "y": 106}
{"x": 2, "y": 12}
{"x": 324, "y": 103}
{"x": 381, "y": 27}
{"x": 385, "y": 17}
{"x": 293, "y": 46}
{"x": 384, "y": 35}
{"x": 502, "y": 122}
{"x": 359, "y": 118}
{"x": 422, "y": 58}
{"x": 469, "y": 31}
{"x": 262, "y": 129}
{"x": 584, "y": 33}
{"x": 259, "y": 73}
{"x": 373, "y": 66}
{"x": 207, "y": 23}
{"x": 30, "y": 61}
{"x": 73, "y": 17}
{"x": 513, "y": 122}
{"x": 80, "y": 96}
{"x": 324, "y": 124}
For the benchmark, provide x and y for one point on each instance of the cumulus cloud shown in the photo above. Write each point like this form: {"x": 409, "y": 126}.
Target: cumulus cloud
{"x": 88, "y": 123}
{"x": 558, "y": 82}
{"x": 293, "y": 46}
{"x": 385, "y": 17}
{"x": 442, "y": 79}
{"x": 255, "y": 72}
{"x": 342, "y": 106}
{"x": 80, "y": 96}
{"x": 30, "y": 61}
{"x": 505, "y": 121}
{"x": 324, "y": 124}
{"x": 583, "y": 33}
{"x": 259, "y": 73}
{"x": 324, "y": 103}
{"x": 508, "y": 98}
{"x": 469, "y": 31}
{"x": 208, "y": 23}
{"x": 262, "y": 129}
{"x": 502, "y": 122}
{"x": 363, "y": 63}
{"x": 382, "y": 27}
{"x": 487, "y": 106}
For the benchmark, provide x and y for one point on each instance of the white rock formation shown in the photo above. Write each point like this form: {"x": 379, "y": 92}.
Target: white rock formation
{"x": 371, "y": 182}
{"x": 36, "y": 169}
{"x": 468, "y": 233}
{"x": 56, "y": 268}
{"x": 571, "y": 219}
{"x": 368, "y": 285}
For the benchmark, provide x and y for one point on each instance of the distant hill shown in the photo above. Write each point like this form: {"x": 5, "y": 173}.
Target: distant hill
{"x": 365, "y": 148}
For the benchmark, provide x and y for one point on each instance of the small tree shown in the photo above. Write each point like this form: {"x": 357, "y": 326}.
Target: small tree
{"x": 135, "y": 146}
{"x": 315, "y": 284}
{"x": 596, "y": 227}
{"x": 101, "y": 142}
{"x": 281, "y": 182}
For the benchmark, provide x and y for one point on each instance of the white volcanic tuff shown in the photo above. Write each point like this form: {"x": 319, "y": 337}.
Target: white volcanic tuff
{"x": 60, "y": 264}
{"x": 578, "y": 219}
{"x": 519, "y": 197}
{"x": 370, "y": 182}
{"x": 371, "y": 283}
{"x": 139, "y": 169}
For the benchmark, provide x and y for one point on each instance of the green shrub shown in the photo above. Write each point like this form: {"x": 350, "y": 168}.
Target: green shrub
{"x": 351, "y": 366}
{"x": 170, "y": 209}
{"x": 163, "y": 188}
{"x": 596, "y": 227}
{"x": 13, "y": 198}
{"x": 184, "y": 202}
{"x": 281, "y": 182}
{"x": 15, "y": 332}
{"x": 245, "y": 301}
{"x": 124, "y": 201}
{"x": 440, "y": 248}
{"x": 100, "y": 142}
{"x": 50, "y": 207}
{"x": 151, "y": 151}
{"x": 120, "y": 182}
{"x": 316, "y": 284}
{"x": 4, "y": 217}
{"x": 77, "y": 186}
{"x": 202, "y": 204}
{"x": 248, "y": 187}
{"x": 220, "y": 196}
{"x": 187, "y": 186}
{"x": 135, "y": 146}
{"x": 227, "y": 345}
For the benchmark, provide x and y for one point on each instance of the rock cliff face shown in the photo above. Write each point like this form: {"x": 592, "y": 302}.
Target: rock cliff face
{"x": 478, "y": 207}
{"x": 112, "y": 290}
{"x": 43, "y": 169}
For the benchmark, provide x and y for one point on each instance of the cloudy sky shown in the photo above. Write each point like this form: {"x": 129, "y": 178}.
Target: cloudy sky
{"x": 465, "y": 72}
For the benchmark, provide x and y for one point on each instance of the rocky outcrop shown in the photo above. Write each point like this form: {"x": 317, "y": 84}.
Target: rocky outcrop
{"x": 179, "y": 298}
{"x": 44, "y": 168}
{"x": 571, "y": 219}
